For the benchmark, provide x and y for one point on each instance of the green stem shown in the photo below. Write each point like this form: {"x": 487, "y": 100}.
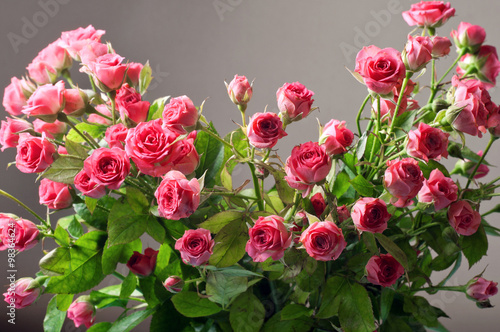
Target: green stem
{"x": 471, "y": 176}
{"x": 66, "y": 74}
{"x": 274, "y": 296}
{"x": 443, "y": 288}
{"x": 291, "y": 212}
{"x": 358, "y": 117}
{"x": 434, "y": 88}
{"x": 111, "y": 96}
{"x": 194, "y": 280}
{"x": 242, "y": 109}
{"x": 400, "y": 99}
{"x": 3, "y": 193}
{"x": 205, "y": 130}
{"x": 256, "y": 186}
{"x": 226, "y": 193}
{"x": 62, "y": 117}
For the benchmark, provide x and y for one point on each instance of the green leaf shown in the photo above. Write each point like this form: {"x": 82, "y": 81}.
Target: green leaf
{"x": 75, "y": 229}
{"x": 54, "y": 318}
{"x": 102, "y": 300}
{"x": 156, "y": 108}
{"x": 166, "y": 318}
{"x": 386, "y": 299}
{"x": 119, "y": 253}
{"x": 94, "y": 130}
{"x": 99, "y": 217}
{"x": 301, "y": 324}
{"x": 128, "y": 285}
{"x": 100, "y": 327}
{"x": 361, "y": 146}
{"x": 155, "y": 230}
{"x": 285, "y": 192}
{"x": 216, "y": 222}
{"x": 312, "y": 276}
{"x": 404, "y": 122}
{"x": 145, "y": 77}
{"x": 190, "y": 304}
{"x": 222, "y": 289}
{"x": 247, "y": 313}
{"x": 431, "y": 165}
{"x": 64, "y": 301}
{"x": 75, "y": 149}
{"x": 475, "y": 246}
{"x": 355, "y": 310}
{"x": 137, "y": 201}
{"x": 393, "y": 249}
{"x": 341, "y": 184}
{"x": 127, "y": 323}
{"x": 362, "y": 186}
{"x": 331, "y": 297}
{"x": 64, "y": 169}
{"x": 211, "y": 153}
{"x": 458, "y": 151}
{"x": 229, "y": 244}
{"x": 125, "y": 225}
{"x": 61, "y": 236}
{"x": 370, "y": 243}
{"x": 420, "y": 308}
{"x": 293, "y": 311}
{"x": 234, "y": 271}
{"x": 91, "y": 203}
{"x": 56, "y": 262}
{"x": 148, "y": 290}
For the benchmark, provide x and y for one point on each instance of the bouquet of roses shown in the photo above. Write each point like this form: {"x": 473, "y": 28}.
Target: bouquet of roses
{"x": 339, "y": 236}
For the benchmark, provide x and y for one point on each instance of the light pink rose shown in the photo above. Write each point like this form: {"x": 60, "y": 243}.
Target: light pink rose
{"x": 440, "y": 190}
{"x": 134, "y": 72}
{"x": 294, "y": 101}
{"x": 468, "y": 37}
{"x": 418, "y": 52}
{"x": 383, "y": 270}
{"x": 323, "y": 241}
{"x": 34, "y": 154}
{"x": 180, "y": 114}
{"x": 336, "y": 138}
{"x": 183, "y": 156}
{"x": 484, "y": 65}
{"x": 174, "y": 284}
{"x": 370, "y": 215}
{"x": 73, "y": 41}
{"x": 239, "y": 90}
{"x": 20, "y": 297}
{"x": 50, "y": 129}
{"x": 268, "y": 238}
{"x": 403, "y": 180}
{"x": 177, "y": 197}
{"x": 55, "y": 56}
{"x": 88, "y": 187}
{"x": 427, "y": 143}
{"x": 107, "y": 167}
{"x": 463, "y": 218}
{"x": 9, "y": 130}
{"x": 41, "y": 72}
{"x": 14, "y": 98}
{"x": 476, "y": 105}
{"x": 46, "y": 102}
{"x": 55, "y": 195}
{"x": 264, "y": 130}
{"x": 82, "y": 313}
{"x": 95, "y": 118}
{"x": 481, "y": 289}
{"x": 115, "y": 136}
{"x": 440, "y": 46}
{"x": 26, "y": 233}
{"x": 108, "y": 71}
{"x": 431, "y": 14}
{"x": 319, "y": 204}
{"x": 132, "y": 108}
{"x": 143, "y": 264}
{"x": 61, "y": 150}
{"x": 74, "y": 102}
{"x": 195, "y": 246}
{"x": 90, "y": 52}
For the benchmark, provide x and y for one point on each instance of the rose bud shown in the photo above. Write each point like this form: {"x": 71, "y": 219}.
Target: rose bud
{"x": 427, "y": 143}
{"x": 469, "y": 114}
{"x": 417, "y": 53}
{"x": 294, "y": 101}
{"x": 96, "y": 118}
{"x": 50, "y": 129}
{"x": 174, "y": 284}
{"x": 493, "y": 124}
{"x": 343, "y": 213}
{"x": 481, "y": 171}
{"x": 239, "y": 90}
{"x": 468, "y": 37}
{"x": 82, "y": 312}
{"x": 61, "y": 150}
{"x": 73, "y": 41}
{"x": 107, "y": 167}
{"x": 55, "y": 195}
{"x": 195, "y": 246}
{"x": 89, "y": 188}
{"x": 440, "y": 190}
{"x": 440, "y": 46}
{"x": 430, "y": 14}
{"x": 143, "y": 264}
{"x": 370, "y": 215}
{"x": 381, "y": 69}
{"x": 484, "y": 65}
{"x": 481, "y": 289}
{"x": 264, "y": 130}
{"x": 180, "y": 115}
{"x": 9, "y": 137}
{"x": 130, "y": 105}
{"x": 463, "y": 218}
{"x": 268, "y": 238}
{"x": 115, "y": 136}
{"x": 336, "y": 137}
{"x": 75, "y": 102}
{"x": 108, "y": 71}
{"x": 318, "y": 203}
{"x": 184, "y": 157}
{"x": 22, "y": 295}
{"x": 46, "y": 102}
{"x": 34, "y": 154}
{"x": 41, "y": 72}
{"x": 308, "y": 165}
{"x": 323, "y": 241}
{"x": 134, "y": 72}
{"x": 14, "y": 98}
{"x": 55, "y": 56}
{"x": 177, "y": 197}
{"x": 403, "y": 180}
{"x": 26, "y": 233}
{"x": 383, "y": 270}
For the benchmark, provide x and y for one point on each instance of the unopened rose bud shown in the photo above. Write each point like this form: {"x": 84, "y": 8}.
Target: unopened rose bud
{"x": 417, "y": 53}
{"x": 24, "y": 293}
{"x": 239, "y": 90}
{"x": 174, "y": 284}
{"x": 143, "y": 264}
{"x": 82, "y": 312}
{"x": 468, "y": 37}
{"x": 480, "y": 289}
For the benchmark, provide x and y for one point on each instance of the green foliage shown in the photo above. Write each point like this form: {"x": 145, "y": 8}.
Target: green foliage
{"x": 64, "y": 169}
{"x": 94, "y": 130}
{"x": 247, "y": 313}
{"x": 211, "y": 153}
{"x": 230, "y": 244}
{"x": 222, "y": 288}
{"x": 475, "y": 246}
{"x": 54, "y": 318}
{"x": 190, "y": 304}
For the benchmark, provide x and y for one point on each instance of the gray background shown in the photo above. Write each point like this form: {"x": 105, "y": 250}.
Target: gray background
{"x": 192, "y": 48}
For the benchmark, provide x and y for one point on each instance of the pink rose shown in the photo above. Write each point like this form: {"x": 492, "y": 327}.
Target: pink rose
{"x": 484, "y": 65}
{"x": 19, "y": 296}
{"x": 130, "y": 105}
{"x": 55, "y": 195}
{"x": 472, "y": 118}
{"x": 9, "y": 130}
{"x": 383, "y": 270}
{"x": 143, "y": 264}
{"x": 417, "y": 53}
{"x": 61, "y": 150}
{"x": 174, "y": 284}
{"x": 427, "y": 143}
{"x": 180, "y": 114}
{"x": 88, "y": 187}
{"x": 134, "y": 72}
{"x": 108, "y": 167}
{"x": 430, "y": 14}
{"x": 50, "y": 129}
{"x": 440, "y": 46}
{"x": 308, "y": 165}
{"x": 177, "y": 197}
{"x": 468, "y": 37}
{"x": 440, "y": 190}
{"x": 96, "y": 118}
{"x": 294, "y": 101}
{"x": 77, "y": 39}
{"x": 388, "y": 106}
{"x": 264, "y": 130}
{"x": 239, "y": 90}
{"x": 403, "y": 180}
{"x": 75, "y": 102}
{"x": 493, "y": 124}
{"x": 481, "y": 289}
{"x": 268, "y": 238}
{"x": 108, "y": 71}
{"x": 19, "y": 234}
{"x": 195, "y": 246}
{"x": 82, "y": 312}
{"x": 183, "y": 156}
{"x": 336, "y": 137}
{"x": 14, "y": 98}
{"x": 463, "y": 218}
{"x": 90, "y": 52}
{"x": 41, "y": 72}
{"x": 323, "y": 241}
{"x": 343, "y": 213}
{"x": 34, "y": 154}
{"x": 319, "y": 204}
{"x": 46, "y": 102}
{"x": 115, "y": 136}
{"x": 55, "y": 56}
{"x": 381, "y": 69}
{"x": 370, "y": 215}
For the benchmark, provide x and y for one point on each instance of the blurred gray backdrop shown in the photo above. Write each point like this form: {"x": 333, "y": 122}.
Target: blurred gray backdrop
{"x": 193, "y": 46}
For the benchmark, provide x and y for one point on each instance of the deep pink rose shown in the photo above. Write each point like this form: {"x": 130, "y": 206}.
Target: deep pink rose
{"x": 50, "y": 129}
{"x": 294, "y": 101}
{"x": 343, "y": 213}
{"x": 383, "y": 270}
{"x": 493, "y": 123}
{"x": 8, "y": 132}
{"x": 55, "y": 195}
{"x": 46, "y": 102}
{"x": 143, "y": 264}
{"x": 95, "y": 118}
{"x": 418, "y": 52}
{"x": 308, "y": 164}
{"x": 323, "y": 241}
{"x": 268, "y": 238}
{"x": 183, "y": 155}
{"x": 481, "y": 289}
{"x": 195, "y": 246}
{"x": 318, "y": 203}
{"x": 180, "y": 115}
{"x": 440, "y": 46}
{"x": 55, "y": 56}
{"x": 469, "y": 37}
{"x": 41, "y": 72}
{"x": 472, "y": 118}
{"x": 88, "y": 187}
{"x": 264, "y": 130}
{"x": 370, "y": 215}
{"x": 177, "y": 197}
{"x": 440, "y": 190}
{"x": 82, "y": 312}
{"x": 173, "y": 284}
{"x": 34, "y": 154}
{"x": 14, "y": 98}
{"x": 19, "y": 296}
{"x": 427, "y": 143}
{"x": 90, "y": 52}
{"x": 17, "y": 233}
{"x": 381, "y": 69}
{"x": 107, "y": 167}
{"x": 403, "y": 180}
{"x": 463, "y": 218}
{"x": 75, "y": 101}
{"x": 133, "y": 73}
{"x": 108, "y": 71}
{"x": 75, "y": 40}
{"x": 61, "y": 150}
{"x": 131, "y": 106}
{"x": 431, "y": 14}
{"x": 336, "y": 138}
{"x": 239, "y": 90}
{"x": 484, "y": 65}
{"x": 469, "y": 166}
{"x": 115, "y": 136}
